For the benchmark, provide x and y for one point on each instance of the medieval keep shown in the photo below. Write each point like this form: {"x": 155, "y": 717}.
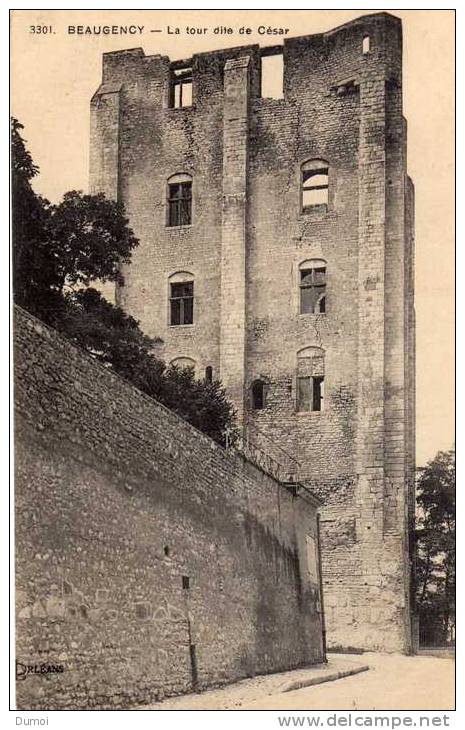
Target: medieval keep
{"x": 276, "y": 254}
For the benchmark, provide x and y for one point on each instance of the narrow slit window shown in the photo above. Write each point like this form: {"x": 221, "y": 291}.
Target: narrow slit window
{"x": 209, "y": 374}
{"x": 181, "y": 88}
{"x": 272, "y": 76}
{"x": 315, "y": 184}
{"x": 185, "y": 582}
{"x": 366, "y": 44}
{"x": 258, "y": 395}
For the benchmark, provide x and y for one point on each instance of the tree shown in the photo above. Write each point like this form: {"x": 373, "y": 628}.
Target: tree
{"x": 22, "y": 165}
{"x": 116, "y": 340}
{"x": 81, "y": 239}
{"x": 111, "y": 336}
{"x": 33, "y": 261}
{"x": 90, "y": 237}
{"x": 435, "y": 535}
{"x": 86, "y": 238}
{"x": 205, "y": 405}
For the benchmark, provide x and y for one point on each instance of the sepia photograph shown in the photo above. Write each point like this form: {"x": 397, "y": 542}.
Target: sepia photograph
{"x": 232, "y": 303}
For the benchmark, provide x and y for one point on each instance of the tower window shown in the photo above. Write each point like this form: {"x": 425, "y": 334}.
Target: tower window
{"x": 314, "y": 184}
{"x": 312, "y": 285}
{"x": 272, "y": 76}
{"x": 181, "y": 88}
{"x": 209, "y": 374}
{"x": 366, "y": 44}
{"x": 181, "y": 299}
{"x": 182, "y": 303}
{"x": 310, "y": 380}
{"x": 179, "y": 200}
{"x": 183, "y": 363}
{"x": 258, "y": 395}
{"x": 310, "y": 393}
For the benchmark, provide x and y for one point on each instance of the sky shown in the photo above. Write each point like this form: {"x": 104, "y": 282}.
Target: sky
{"x": 54, "y": 74}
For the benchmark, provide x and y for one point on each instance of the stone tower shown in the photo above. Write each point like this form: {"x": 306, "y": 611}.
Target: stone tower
{"x": 276, "y": 253}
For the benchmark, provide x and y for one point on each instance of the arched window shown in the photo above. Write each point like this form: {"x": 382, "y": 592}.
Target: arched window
{"x": 312, "y": 286}
{"x": 179, "y": 200}
{"x": 181, "y": 294}
{"x": 314, "y": 184}
{"x": 258, "y": 395}
{"x": 209, "y": 374}
{"x": 184, "y": 363}
{"x": 310, "y": 379}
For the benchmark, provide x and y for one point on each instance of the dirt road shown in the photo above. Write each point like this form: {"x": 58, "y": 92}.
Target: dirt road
{"x": 394, "y": 682}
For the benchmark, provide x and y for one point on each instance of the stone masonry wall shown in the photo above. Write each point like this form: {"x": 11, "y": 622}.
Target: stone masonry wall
{"x": 149, "y": 560}
{"x": 233, "y": 241}
{"x": 343, "y": 105}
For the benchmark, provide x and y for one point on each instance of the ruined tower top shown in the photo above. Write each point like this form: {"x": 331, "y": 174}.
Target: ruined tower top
{"x": 345, "y": 50}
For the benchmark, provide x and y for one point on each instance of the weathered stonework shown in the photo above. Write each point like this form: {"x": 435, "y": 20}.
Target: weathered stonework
{"x": 342, "y": 103}
{"x": 150, "y": 561}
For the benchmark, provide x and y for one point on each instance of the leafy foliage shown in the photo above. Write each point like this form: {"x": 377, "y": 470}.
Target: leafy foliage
{"x": 435, "y": 534}
{"x": 34, "y": 281}
{"x": 86, "y": 238}
{"x": 203, "y": 404}
{"x": 83, "y": 238}
{"x": 21, "y": 162}
{"x": 115, "y": 339}
{"x": 90, "y": 238}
